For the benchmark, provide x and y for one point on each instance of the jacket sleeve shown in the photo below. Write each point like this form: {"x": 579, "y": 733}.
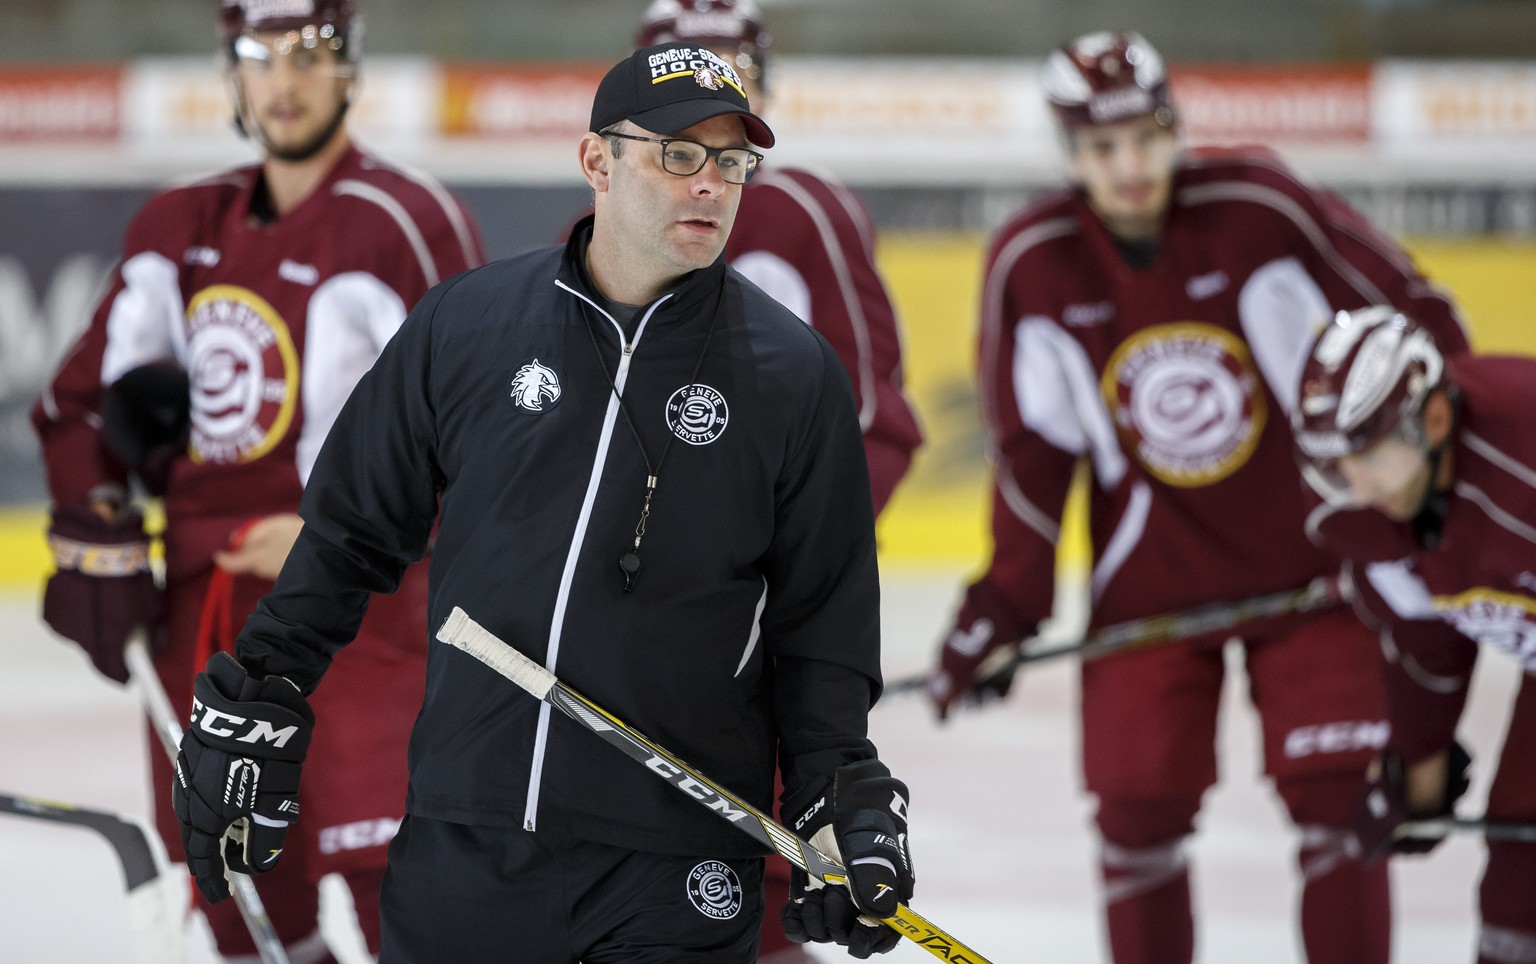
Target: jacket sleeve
{"x": 136, "y": 322}
{"x": 368, "y": 511}
{"x": 821, "y": 621}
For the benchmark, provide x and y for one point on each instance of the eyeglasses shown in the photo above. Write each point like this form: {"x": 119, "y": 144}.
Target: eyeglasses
{"x": 686, "y": 158}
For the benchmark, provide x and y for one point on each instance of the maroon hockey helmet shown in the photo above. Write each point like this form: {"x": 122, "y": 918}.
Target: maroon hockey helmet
{"x": 1106, "y": 78}
{"x": 332, "y": 23}
{"x": 736, "y": 24}
{"x": 1364, "y": 381}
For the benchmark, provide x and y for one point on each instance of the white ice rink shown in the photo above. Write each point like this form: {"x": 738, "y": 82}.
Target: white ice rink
{"x": 1001, "y": 837}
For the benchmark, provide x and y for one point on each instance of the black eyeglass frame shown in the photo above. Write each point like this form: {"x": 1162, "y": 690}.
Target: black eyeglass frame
{"x": 709, "y": 153}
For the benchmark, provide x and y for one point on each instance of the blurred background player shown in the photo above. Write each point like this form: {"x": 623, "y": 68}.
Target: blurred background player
{"x": 807, "y": 241}
{"x": 244, "y": 309}
{"x": 1150, "y": 320}
{"x": 1427, "y": 463}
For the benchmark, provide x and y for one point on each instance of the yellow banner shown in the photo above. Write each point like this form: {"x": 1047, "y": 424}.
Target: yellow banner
{"x": 939, "y": 515}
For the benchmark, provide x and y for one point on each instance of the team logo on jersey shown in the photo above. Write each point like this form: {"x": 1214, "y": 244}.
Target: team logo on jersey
{"x": 715, "y": 890}
{"x": 697, "y": 414}
{"x": 1503, "y": 619}
{"x": 244, "y": 375}
{"x": 535, "y": 388}
{"x": 1186, "y": 400}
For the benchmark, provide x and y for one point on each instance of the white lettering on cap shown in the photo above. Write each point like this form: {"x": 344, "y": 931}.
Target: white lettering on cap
{"x": 682, "y": 61}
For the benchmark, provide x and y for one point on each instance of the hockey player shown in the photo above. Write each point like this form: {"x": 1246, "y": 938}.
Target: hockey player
{"x": 1427, "y": 463}
{"x": 651, "y": 483}
{"x": 808, "y": 241}
{"x": 1149, "y": 321}
{"x": 245, "y": 308}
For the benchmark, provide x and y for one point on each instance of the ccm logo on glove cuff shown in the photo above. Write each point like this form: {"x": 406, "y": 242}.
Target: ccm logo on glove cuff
{"x": 805, "y": 818}
{"x": 96, "y": 560}
{"x": 208, "y": 720}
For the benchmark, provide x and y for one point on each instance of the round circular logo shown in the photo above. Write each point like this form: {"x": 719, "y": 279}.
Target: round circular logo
{"x": 697, "y": 414}
{"x": 1186, "y": 400}
{"x": 244, "y": 375}
{"x": 715, "y": 890}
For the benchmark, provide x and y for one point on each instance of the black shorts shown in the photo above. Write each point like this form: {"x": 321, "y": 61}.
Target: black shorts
{"x": 467, "y": 894}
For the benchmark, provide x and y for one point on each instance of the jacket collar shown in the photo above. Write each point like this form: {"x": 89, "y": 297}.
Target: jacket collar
{"x": 695, "y": 297}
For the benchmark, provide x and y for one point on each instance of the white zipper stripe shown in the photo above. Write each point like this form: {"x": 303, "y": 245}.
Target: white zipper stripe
{"x": 578, "y": 537}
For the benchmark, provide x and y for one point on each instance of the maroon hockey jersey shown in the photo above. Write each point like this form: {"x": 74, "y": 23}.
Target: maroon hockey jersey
{"x": 809, "y": 243}
{"x": 1478, "y": 584}
{"x": 1173, "y": 381}
{"x": 273, "y": 322}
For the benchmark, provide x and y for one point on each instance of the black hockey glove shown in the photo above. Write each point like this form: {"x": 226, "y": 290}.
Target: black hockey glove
{"x": 1384, "y": 805}
{"x": 861, "y": 821}
{"x": 237, "y": 776}
{"x": 146, "y": 419}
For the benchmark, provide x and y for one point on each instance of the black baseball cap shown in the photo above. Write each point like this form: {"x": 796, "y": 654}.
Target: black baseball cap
{"x": 671, "y": 87}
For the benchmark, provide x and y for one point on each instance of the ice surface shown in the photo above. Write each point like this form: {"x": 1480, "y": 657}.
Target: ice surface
{"x": 1001, "y": 837}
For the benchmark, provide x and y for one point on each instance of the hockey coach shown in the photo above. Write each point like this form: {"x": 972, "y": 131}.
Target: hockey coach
{"x": 651, "y": 480}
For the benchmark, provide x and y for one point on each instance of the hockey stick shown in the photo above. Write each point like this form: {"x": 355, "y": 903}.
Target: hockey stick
{"x": 154, "y": 909}
{"x": 1446, "y": 826}
{"x": 142, "y": 675}
{"x": 1199, "y": 621}
{"x": 464, "y": 633}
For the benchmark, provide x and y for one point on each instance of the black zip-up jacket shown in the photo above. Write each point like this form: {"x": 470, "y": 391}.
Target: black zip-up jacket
{"x": 755, "y": 618}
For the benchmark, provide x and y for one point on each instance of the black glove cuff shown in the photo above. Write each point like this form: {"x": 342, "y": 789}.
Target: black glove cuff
{"x": 810, "y": 809}
{"x": 867, "y": 785}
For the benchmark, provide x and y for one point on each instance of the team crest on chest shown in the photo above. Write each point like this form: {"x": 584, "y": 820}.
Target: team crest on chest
{"x": 535, "y": 388}
{"x": 697, "y": 414}
{"x": 1186, "y": 400}
{"x": 1503, "y": 619}
{"x": 244, "y": 375}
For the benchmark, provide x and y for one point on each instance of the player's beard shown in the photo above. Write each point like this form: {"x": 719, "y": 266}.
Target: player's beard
{"x": 309, "y": 148}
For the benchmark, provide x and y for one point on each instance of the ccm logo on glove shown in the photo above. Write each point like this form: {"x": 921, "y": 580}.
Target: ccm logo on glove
{"x": 209, "y": 720}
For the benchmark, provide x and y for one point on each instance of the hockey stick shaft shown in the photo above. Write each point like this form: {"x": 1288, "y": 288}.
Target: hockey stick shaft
{"x": 1491, "y": 829}
{"x": 1199, "y": 621}
{"x": 465, "y": 634}
{"x": 146, "y": 682}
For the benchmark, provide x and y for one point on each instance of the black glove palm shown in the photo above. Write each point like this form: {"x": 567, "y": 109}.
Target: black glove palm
{"x": 863, "y": 826}
{"x": 237, "y": 776}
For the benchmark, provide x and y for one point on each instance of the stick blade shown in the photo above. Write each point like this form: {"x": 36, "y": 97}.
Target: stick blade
{"x": 463, "y": 633}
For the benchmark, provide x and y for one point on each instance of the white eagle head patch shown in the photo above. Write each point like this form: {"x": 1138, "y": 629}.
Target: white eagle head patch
{"x": 535, "y": 388}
